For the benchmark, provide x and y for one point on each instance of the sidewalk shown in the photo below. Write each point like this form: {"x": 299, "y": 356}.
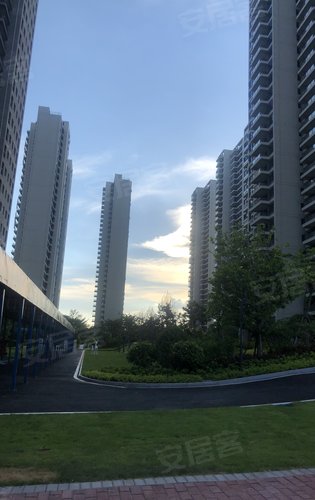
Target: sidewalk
{"x": 281, "y": 485}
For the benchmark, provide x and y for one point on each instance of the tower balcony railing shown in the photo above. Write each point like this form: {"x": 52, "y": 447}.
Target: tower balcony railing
{"x": 308, "y": 188}
{"x": 264, "y": 119}
{"x": 306, "y": 78}
{"x": 264, "y": 80}
{"x": 308, "y": 203}
{"x": 308, "y": 154}
{"x": 309, "y": 220}
{"x": 308, "y": 91}
{"x": 306, "y": 31}
{"x": 308, "y": 107}
{"x": 309, "y": 45}
{"x": 262, "y": 203}
{"x": 264, "y": 133}
{"x": 308, "y": 171}
{"x": 262, "y": 175}
{"x": 263, "y": 14}
{"x": 261, "y": 188}
{"x": 307, "y": 138}
{"x": 305, "y": 63}
{"x": 301, "y": 19}
{"x": 259, "y": 43}
{"x": 307, "y": 124}
{"x": 262, "y": 66}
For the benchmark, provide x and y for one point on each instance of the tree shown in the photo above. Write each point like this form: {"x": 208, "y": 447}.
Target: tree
{"x": 166, "y": 312}
{"x": 79, "y": 324}
{"x": 195, "y": 315}
{"x": 251, "y": 282}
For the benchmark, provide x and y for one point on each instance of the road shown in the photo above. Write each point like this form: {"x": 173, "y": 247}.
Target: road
{"x": 56, "y": 391}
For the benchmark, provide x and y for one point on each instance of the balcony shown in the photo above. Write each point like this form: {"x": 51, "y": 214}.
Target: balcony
{"x": 309, "y": 107}
{"x": 308, "y": 123}
{"x": 301, "y": 6}
{"x": 263, "y": 28}
{"x": 261, "y": 119}
{"x": 262, "y": 204}
{"x": 262, "y": 42}
{"x": 262, "y": 176}
{"x": 261, "y": 67}
{"x": 261, "y": 80}
{"x": 306, "y": 79}
{"x": 260, "y": 160}
{"x": 308, "y": 172}
{"x": 309, "y": 221}
{"x": 306, "y": 63}
{"x": 307, "y": 30}
{"x": 263, "y": 217}
{"x": 306, "y": 139}
{"x": 263, "y": 133}
{"x": 308, "y": 155}
{"x": 308, "y": 91}
{"x": 302, "y": 19}
{"x": 306, "y": 49}
{"x": 308, "y": 188}
{"x": 263, "y": 148}
{"x": 308, "y": 204}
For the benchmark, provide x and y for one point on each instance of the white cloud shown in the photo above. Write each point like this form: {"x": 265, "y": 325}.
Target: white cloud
{"x": 85, "y": 166}
{"x": 160, "y": 270}
{"x": 164, "y": 180}
{"x": 175, "y": 244}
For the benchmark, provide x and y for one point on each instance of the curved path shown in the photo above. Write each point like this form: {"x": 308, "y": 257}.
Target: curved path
{"x": 57, "y": 391}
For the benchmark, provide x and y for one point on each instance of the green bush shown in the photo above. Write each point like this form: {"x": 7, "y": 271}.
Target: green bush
{"x": 187, "y": 355}
{"x": 165, "y": 343}
{"x": 142, "y": 354}
{"x": 218, "y": 352}
{"x": 140, "y": 378}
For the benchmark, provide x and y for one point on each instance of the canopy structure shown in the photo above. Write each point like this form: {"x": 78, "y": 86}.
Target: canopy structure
{"x": 33, "y": 332}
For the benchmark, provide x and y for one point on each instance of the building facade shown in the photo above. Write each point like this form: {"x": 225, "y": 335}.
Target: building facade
{"x": 17, "y": 24}
{"x": 112, "y": 250}
{"x": 278, "y": 165}
{"x": 43, "y": 204}
{"x": 203, "y": 206}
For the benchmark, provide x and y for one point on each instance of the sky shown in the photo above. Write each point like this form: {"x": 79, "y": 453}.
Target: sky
{"x": 153, "y": 90}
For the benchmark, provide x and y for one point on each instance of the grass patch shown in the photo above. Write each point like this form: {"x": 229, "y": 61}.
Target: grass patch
{"x": 113, "y": 366}
{"x": 105, "y": 360}
{"x": 137, "y": 444}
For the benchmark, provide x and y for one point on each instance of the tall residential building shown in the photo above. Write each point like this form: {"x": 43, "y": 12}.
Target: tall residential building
{"x": 43, "y": 205}
{"x": 278, "y": 48}
{"x": 17, "y": 23}
{"x": 112, "y": 250}
{"x": 203, "y": 206}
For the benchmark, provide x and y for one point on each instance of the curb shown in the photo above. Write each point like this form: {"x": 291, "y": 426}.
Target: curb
{"x": 213, "y": 478}
{"x": 191, "y": 385}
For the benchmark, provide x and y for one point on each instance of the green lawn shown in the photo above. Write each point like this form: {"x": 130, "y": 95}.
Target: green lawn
{"x": 113, "y": 366}
{"x": 71, "y": 448}
{"x": 105, "y": 360}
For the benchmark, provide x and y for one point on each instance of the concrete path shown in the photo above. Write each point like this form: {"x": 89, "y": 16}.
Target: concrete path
{"x": 282, "y": 485}
{"x": 55, "y": 390}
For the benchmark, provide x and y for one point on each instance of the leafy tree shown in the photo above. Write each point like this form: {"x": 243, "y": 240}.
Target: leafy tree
{"x": 251, "y": 282}
{"x": 79, "y": 324}
{"x": 166, "y": 312}
{"x": 195, "y": 315}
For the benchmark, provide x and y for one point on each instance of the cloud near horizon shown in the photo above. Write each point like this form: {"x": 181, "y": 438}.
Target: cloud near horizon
{"x": 176, "y": 243}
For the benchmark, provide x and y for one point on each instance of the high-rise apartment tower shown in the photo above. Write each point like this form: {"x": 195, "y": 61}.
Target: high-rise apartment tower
{"x": 112, "y": 250}
{"x": 17, "y": 23}
{"x": 203, "y": 203}
{"x": 43, "y": 205}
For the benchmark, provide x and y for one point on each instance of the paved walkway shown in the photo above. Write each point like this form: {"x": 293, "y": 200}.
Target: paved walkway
{"x": 281, "y": 485}
{"x": 55, "y": 390}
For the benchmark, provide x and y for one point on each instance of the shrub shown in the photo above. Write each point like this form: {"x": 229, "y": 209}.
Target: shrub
{"x": 187, "y": 355}
{"x": 218, "y": 352}
{"x": 142, "y": 354}
{"x": 165, "y": 344}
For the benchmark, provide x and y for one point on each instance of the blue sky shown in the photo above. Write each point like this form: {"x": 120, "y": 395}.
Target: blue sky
{"x": 154, "y": 90}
